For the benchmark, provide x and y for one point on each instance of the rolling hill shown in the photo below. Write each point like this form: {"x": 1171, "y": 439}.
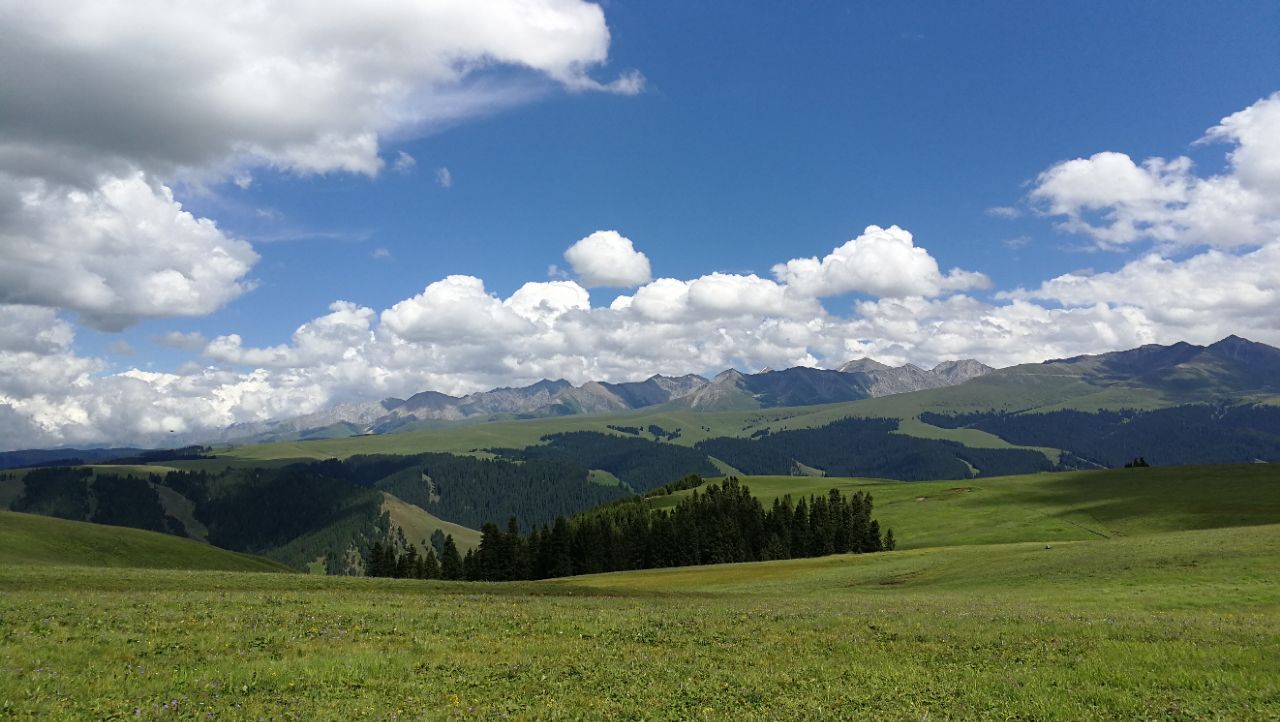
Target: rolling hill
{"x": 1060, "y": 506}
{"x": 29, "y": 539}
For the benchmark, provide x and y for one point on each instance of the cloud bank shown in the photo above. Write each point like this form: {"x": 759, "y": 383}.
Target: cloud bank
{"x": 89, "y": 219}
{"x": 117, "y": 104}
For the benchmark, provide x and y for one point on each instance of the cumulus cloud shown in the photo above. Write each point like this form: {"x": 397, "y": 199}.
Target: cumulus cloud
{"x": 306, "y": 86}
{"x": 458, "y": 336}
{"x": 1118, "y": 202}
{"x": 121, "y": 252}
{"x": 119, "y": 104}
{"x": 880, "y": 262}
{"x": 1204, "y": 297}
{"x": 457, "y": 309}
{"x": 444, "y": 178}
{"x": 607, "y": 258}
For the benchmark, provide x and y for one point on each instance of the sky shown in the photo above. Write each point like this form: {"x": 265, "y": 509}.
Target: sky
{"x": 214, "y": 213}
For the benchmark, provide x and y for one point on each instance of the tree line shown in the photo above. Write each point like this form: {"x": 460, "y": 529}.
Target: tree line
{"x": 721, "y": 524}
{"x": 1219, "y": 433}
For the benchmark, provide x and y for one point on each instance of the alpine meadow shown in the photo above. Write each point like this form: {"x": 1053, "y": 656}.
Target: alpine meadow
{"x": 568, "y": 359}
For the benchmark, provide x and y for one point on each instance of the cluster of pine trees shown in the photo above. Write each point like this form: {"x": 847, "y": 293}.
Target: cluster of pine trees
{"x": 724, "y": 523}
{"x": 384, "y": 561}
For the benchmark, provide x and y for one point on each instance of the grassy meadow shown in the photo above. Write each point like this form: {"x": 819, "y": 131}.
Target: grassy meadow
{"x": 1058, "y": 506}
{"x": 1172, "y": 612}
{"x": 28, "y": 540}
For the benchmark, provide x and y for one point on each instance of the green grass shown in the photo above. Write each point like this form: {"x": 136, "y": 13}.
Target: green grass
{"x": 973, "y": 438}
{"x": 1180, "y": 625}
{"x": 30, "y": 540}
{"x": 1126, "y": 594}
{"x": 1052, "y": 506}
{"x": 418, "y": 525}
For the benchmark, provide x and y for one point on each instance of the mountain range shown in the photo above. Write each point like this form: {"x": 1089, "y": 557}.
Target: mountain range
{"x": 729, "y": 390}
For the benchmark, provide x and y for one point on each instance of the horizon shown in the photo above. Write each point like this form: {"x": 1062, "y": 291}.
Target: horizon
{"x": 212, "y": 218}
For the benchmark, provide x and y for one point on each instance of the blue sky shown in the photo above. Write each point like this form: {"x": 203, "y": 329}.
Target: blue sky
{"x": 762, "y": 136}
{"x": 762, "y": 133}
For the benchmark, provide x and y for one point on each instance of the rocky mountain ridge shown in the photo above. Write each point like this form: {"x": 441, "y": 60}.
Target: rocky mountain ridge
{"x": 730, "y": 389}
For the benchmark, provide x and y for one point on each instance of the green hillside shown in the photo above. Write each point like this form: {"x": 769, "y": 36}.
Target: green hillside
{"x": 1179, "y": 625}
{"x": 27, "y": 539}
{"x": 1052, "y": 507}
{"x": 418, "y": 525}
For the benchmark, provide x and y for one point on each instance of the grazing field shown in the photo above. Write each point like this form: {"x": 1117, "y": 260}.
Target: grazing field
{"x": 1137, "y": 593}
{"x": 31, "y": 540}
{"x": 1059, "y": 506}
{"x": 1181, "y": 625}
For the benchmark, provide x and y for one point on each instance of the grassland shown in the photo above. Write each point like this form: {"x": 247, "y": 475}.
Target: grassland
{"x": 417, "y": 525}
{"x": 1060, "y": 506}
{"x": 36, "y": 541}
{"x": 1145, "y": 593}
{"x": 1180, "y": 625}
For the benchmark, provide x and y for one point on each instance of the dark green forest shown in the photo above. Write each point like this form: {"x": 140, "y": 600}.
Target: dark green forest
{"x": 641, "y": 464}
{"x": 1192, "y": 434}
{"x": 869, "y": 447}
{"x": 722, "y": 524}
{"x": 77, "y": 494}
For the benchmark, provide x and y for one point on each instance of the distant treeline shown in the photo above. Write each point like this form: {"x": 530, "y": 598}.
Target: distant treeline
{"x": 869, "y": 447}
{"x": 79, "y": 494}
{"x": 724, "y": 523}
{"x": 1192, "y": 434}
{"x": 640, "y": 463}
{"x": 186, "y": 453}
{"x": 325, "y": 509}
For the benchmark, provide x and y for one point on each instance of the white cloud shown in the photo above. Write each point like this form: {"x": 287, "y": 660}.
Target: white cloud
{"x": 456, "y": 336}
{"x": 381, "y": 254}
{"x": 444, "y": 178}
{"x": 119, "y": 104}
{"x": 880, "y": 262}
{"x": 306, "y": 86}
{"x": 1006, "y": 212}
{"x": 1119, "y": 202}
{"x": 546, "y": 301}
{"x": 607, "y": 258}
{"x": 404, "y": 162}
{"x": 188, "y": 341}
{"x": 123, "y": 251}
{"x": 1202, "y": 298}
{"x": 454, "y": 310}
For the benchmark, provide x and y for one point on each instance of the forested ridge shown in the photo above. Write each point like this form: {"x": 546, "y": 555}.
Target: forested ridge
{"x": 869, "y": 447}
{"x": 640, "y": 463}
{"x": 324, "y": 509}
{"x": 1191, "y": 434}
{"x": 720, "y": 524}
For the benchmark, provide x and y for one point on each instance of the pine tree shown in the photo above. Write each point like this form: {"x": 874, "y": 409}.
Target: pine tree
{"x": 373, "y": 562}
{"x": 450, "y": 560}
{"x": 559, "y": 550}
{"x": 889, "y": 543}
{"x": 430, "y": 565}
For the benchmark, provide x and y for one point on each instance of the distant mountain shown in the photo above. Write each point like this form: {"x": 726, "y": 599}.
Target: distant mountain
{"x": 1233, "y": 365}
{"x": 1152, "y": 376}
{"x": 727, "y": 391}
